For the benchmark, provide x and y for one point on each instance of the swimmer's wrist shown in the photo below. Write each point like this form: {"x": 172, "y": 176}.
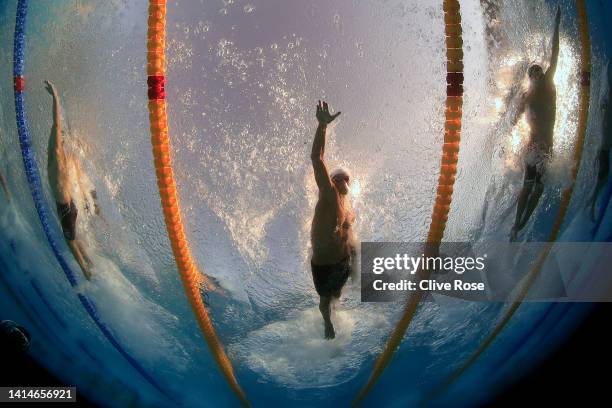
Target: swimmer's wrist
{"x": 322, "y": 125}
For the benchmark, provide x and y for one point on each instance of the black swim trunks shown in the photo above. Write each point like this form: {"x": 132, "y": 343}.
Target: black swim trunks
{"x": 533, "y": 173}
{"x": 329, "y": 279}
{"x": 68, "y": 215}
{"x": 535, "y": 160}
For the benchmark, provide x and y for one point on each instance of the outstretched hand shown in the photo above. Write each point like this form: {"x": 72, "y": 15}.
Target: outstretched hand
{"x": 50, "y": 88}
{"x": 323, "y": 115}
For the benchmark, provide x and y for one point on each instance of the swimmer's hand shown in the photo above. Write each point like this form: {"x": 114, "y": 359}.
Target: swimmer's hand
{"x": 50, "y": 88}
{"x": 323, "y": 115}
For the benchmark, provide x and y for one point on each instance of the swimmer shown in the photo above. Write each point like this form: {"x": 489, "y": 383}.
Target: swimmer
{"x": 602, "y": 163}
{"x": 538, "y": 104}
{"x": 333, "y": 245}
{"x": 59, "y": 179}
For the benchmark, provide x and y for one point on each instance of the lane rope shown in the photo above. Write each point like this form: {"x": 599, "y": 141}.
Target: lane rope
{"x": 33, "y": 177}
{"x": 190, "y": 276}
{"x": 585, "y": 92}
{"x": 446, "y": 181}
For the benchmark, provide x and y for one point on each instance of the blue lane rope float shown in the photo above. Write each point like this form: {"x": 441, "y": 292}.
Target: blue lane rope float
{"x": 33, "y": 177}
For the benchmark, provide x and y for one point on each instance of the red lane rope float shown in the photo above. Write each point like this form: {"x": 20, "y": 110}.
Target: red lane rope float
{"x": 190, "y": 276}
{"x": 446, "y": 181}
{"x": 19, "y": 83}
{"x": 585, "y": 93}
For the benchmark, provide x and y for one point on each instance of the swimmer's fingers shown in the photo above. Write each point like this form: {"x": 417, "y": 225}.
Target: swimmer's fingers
{"x": 50, "y": 87}
{"x": 334, "y": 116}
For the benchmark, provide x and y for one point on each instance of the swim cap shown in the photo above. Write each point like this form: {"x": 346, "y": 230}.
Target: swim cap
{"x": 340, "y": 171}
{"x": 534, "y": 69}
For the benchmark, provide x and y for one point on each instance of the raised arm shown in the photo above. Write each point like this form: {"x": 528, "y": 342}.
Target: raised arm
{"x": 550, "y": 73}
{"x": 318, "y": 148}
{"x": 57, "y": 125}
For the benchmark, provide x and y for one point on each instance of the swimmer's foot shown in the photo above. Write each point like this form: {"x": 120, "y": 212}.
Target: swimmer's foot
{"x": 329, "y": 331}
{"x": 513, "y": 234}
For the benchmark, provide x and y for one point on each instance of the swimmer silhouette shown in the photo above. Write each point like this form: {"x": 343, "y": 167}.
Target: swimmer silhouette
{"x": 333, "y": 245}
{"x": 59, "y": 179}
{"x": 602, "y": 163}
{"x": 539, "y": 105}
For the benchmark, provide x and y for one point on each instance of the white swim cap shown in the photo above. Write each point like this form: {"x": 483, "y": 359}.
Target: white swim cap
{"x": 340, "y": 171}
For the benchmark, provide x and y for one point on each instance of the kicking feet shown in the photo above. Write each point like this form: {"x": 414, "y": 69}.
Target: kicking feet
{"x": 329, "y": 331}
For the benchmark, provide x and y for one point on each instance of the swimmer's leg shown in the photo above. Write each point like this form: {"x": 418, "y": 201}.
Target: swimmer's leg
{"x": 603, "y": 209}
{"x": 84, "y": 253}
{"x": 75, "y": 248}
{"x": 602, "y": 178}
{"x": 325, "y": 308}
{"x": 534, "y": 198}
{"x": 521, "y": 206}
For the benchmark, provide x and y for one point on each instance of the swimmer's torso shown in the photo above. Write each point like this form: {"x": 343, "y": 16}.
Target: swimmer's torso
{"x": 540, "y": 108}
{"x": 332, "y": 232}
{"x": 57, "y": 173}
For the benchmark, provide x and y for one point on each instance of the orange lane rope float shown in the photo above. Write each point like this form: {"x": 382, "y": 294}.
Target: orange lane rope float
{"x": 190, "y": 275}
{"x": 446, "y": 180}
{"x": 585, "y": 93}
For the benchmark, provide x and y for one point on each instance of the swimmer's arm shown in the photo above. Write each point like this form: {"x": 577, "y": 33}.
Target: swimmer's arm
{"x": 318, "y": 165}
{"x": 555, "y": 47}
{"x": 57, "y": 128}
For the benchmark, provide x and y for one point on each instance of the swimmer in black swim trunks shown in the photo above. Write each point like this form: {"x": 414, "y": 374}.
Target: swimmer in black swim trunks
{"x": 333, "y": 244}
{"x": 59, "y": 179}
{"x": 539, "y": 103}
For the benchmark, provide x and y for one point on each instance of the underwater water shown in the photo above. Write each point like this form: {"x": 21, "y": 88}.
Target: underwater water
{"x": 243, "y": 81}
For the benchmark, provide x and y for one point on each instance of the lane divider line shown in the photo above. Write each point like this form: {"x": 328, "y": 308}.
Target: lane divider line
{"x": 190, "y": 276}
{"x": 585, "y": 94}
{"x": 36, "y": 189}
{"x": 446, "y": 182}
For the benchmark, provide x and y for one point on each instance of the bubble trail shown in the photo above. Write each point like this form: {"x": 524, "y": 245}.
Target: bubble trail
{"x": 446, "y": 181}
{"x": 160, "y": 141}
